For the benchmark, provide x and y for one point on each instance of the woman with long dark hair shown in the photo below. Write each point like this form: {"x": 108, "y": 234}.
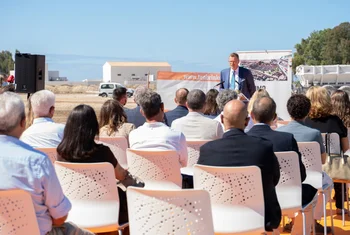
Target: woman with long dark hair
{"x": 78, "y": 145}
{"x": 341, "y": 106}
{"x": 211, "y": 107}
{"x": 113, "y": 120}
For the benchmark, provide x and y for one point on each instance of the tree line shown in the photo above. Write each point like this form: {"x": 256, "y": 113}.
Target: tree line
{"x": 324, "y": 47}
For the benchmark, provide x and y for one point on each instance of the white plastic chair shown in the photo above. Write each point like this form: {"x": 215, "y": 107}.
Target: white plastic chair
{"x": 333, "y": 147}
{"x": 157, "y": 169}
{"x": 92, "y": 190}
{"x": 17, "y": 215}
{"x": 50, "y": 152}
{"x": 289, "y": 191}
{"x": 160, "y": 212}
{"x": 193, "y": 155}
{"x": 118, "y": 146}
{"x": 236, "y": 195}
{"x": 311, "y": 157}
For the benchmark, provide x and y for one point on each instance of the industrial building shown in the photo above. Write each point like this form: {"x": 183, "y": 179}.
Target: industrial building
{"x": 127, "y": 72}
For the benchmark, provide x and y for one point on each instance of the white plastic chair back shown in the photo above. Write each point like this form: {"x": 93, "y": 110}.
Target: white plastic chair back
{"x": 288, "y": 188}
{"x": 17, "y": 215}
{"x": 118, "y": 146}
{"x": 333, "y": 143}
{"x": 193, "y": 151}
{"x": 193, "y": 155}
{"x": 157, "y": 169}
{"x": 50, "y": 152}
{"x": 160, "y": 212}
{"x": 236, "y": 195}
{"x": 311, "y": 157}
{"x": 92, "y": 190}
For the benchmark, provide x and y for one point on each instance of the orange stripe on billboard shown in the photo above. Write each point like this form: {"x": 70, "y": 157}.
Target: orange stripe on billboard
{"x": 188, "y": 76}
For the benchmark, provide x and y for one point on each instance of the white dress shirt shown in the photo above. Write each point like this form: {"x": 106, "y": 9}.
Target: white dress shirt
{"x": 158, "y": 136}
{"x": 43, "y": 133}
{"x": 236, "y": 77}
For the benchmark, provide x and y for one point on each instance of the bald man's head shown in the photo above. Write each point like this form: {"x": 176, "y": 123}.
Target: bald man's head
{"x": 235, "y": 115}
{"x": 264, "y": 110}
{"x": 181, "y": 96}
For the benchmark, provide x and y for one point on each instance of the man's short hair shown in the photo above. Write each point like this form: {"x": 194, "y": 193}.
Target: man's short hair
{"x": 181, "y": 96}
{"x": 298, "y": 106}
{"x": 234, "y": 54}
{"x": 139, "y": 92}
{"x": 119, "y": 92}
{"x": 41, "y": 102}
{"x": 224, "y": 97}
{"x": 196, "y": 99}
{"x": 150, "y": 103}
{"x": 264, "y": 109}
{"x": 12, "y": 111}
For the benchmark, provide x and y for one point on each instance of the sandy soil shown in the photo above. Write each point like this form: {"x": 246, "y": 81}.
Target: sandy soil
{"x": 66, "y": 102}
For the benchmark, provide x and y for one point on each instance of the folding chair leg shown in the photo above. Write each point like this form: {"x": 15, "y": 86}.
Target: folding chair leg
{"x": 347, "y": 198}
{"x": 342, "y": 200}
{"x": 324, "y": 214}
{"x": 331, "y": 214}
{"x": 304, "y": 223}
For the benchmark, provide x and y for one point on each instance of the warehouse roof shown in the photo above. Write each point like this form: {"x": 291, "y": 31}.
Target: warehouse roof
{"x": 135, "y": 64}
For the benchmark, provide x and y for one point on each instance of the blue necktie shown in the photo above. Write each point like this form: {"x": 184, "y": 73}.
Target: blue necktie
{"x": 233, "y": 81}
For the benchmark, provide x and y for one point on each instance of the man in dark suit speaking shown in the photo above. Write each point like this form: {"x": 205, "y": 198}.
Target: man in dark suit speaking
{"x": 237, "y": 78}
{"x": 238, "y": 149}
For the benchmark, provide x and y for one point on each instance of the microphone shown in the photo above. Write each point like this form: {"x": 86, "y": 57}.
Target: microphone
{"x": 219, "y": 83}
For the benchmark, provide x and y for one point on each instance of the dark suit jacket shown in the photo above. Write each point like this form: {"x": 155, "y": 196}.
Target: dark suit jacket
{"x": 135, "y": 117}
{"x": 246, "y": 86}
{"x": 282, "y": 142}
{"x": 238, "y": 149}
{"x": 178, "y": 112}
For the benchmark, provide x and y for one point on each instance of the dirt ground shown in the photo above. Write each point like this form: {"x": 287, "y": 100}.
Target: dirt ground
{"x": 66, "y": 102}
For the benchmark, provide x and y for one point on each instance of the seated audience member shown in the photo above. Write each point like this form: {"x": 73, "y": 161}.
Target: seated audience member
{"x": 134, "y": 115}
{"x": 341, "y": 106}
{"x": 222, "y": 99}
{"x": 119, "y": 94}
{"x": 78, "y": 145}
{"x": 238, "y": 149}
{"x": 195, "y": 126}
{"x": 211, "y": 109}
{"x": 320, "y": 117}
{"x": 263, "y": 114}
{"x": 154, "y": 134}
{"x": 298, "y": 107}
{"x": 181, "y": 109}
{"x": 113, "y": 120}
{"x": 24, "y": 168}
{"x": 257, "y": 94}
{"x": 44, "y": 132}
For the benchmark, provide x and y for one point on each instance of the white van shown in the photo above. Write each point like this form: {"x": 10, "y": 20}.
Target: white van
{"x": 106, "y": 89}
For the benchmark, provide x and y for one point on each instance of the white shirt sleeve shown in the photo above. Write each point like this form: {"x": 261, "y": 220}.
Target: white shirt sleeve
{"x": 183, "y": 151}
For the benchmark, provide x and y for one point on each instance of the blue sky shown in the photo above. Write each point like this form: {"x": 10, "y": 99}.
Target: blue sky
{"x": 78, "y": 37}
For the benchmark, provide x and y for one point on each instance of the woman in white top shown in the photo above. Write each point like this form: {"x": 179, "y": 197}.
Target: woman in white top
{"x": 113, "y": 120}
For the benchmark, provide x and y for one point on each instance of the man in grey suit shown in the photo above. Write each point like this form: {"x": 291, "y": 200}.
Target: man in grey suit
{"x": 195, "y": 126}
{"x": 134, "y": 115}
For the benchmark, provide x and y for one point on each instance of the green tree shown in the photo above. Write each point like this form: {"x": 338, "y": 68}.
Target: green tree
{"x": 6, "y": 62}
{"x": 328, "y": 46}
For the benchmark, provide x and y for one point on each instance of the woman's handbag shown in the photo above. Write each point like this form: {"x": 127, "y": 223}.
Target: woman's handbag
{"x": 337, "y": 166}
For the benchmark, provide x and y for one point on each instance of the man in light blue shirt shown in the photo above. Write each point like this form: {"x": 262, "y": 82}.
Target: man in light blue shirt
{"x": 44, "y": 132}
{"x": 24, "y": 168}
